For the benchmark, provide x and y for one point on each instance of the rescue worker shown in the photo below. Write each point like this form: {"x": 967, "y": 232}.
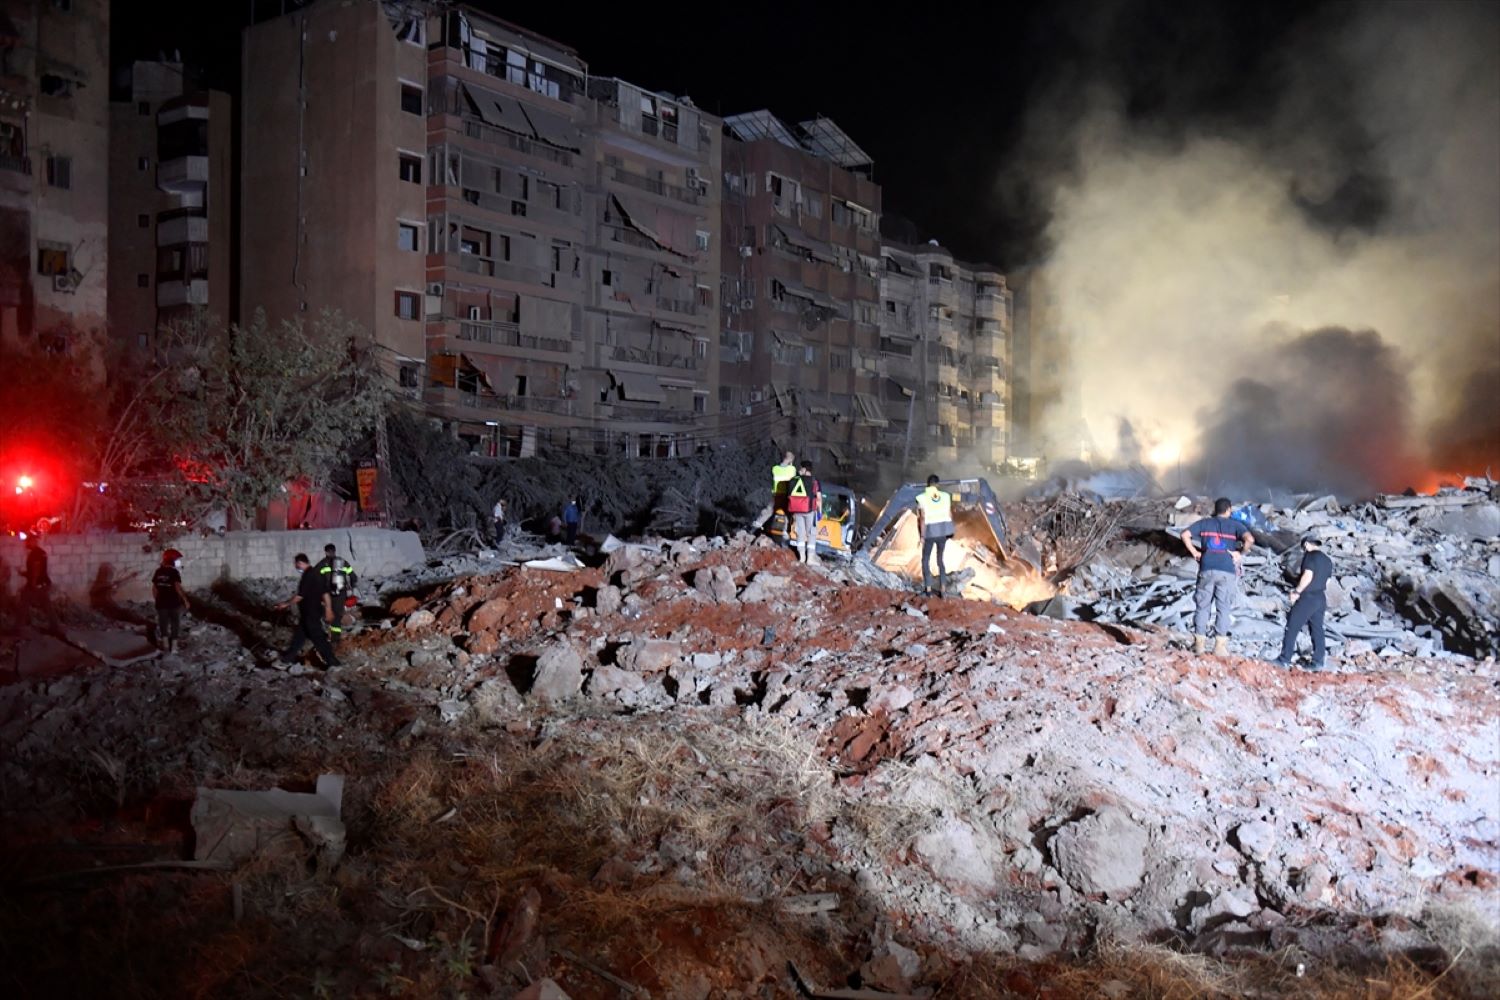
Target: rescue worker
{"x": 37, "y": 592}
{"x": 781, "y": 480}
{"x": 1309, "y": 601}
{"x": 170, "y": 600}
{"x": 572, "y": 516}
{"x": 338, "y": 576}
{"x": 314, "y": 607}
{"x": 804, "y": 502}
{"x": 1223, "y": 541}
{"x": 935, "y": 516}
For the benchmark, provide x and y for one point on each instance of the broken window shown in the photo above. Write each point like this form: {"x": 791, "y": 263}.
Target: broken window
{"x": 408, "y": 376}
{"x": 408, "y": 237}
{"x": 60, "y": 172}
{"x": 518, "y": 208}
{"x": 407, "y": 304}
{"x": 411, "y": 168}
{"x": 411, "y": 99}
{"x": 53, "y": 85}
{"x": 412, "y": 30}
{"x": 474, "y": 241}
{"x": 53, "y": 258}
{"x": 703, "y": 241}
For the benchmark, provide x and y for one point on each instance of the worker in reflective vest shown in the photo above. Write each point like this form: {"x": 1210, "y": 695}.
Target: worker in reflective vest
{"x": 804, "y": 501}
{"x": 935, "y": 516}
{"x": 781, "y": 481}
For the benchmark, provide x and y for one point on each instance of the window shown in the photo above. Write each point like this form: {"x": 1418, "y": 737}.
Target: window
{"x": 890, "y": 305}
{"x": 408, "y": 236}
{"x": 411, "y": 168}
{"x": 143, "y": 281}
{"x": 143, "y": 163}
{"x": 518, "y": 208}
{"x": 813, "y": 205}
{"x": 53, "y": 258}
{"x": 702, "y": 240}
{"x": 143, "y": 221}
{"x": 143, "y": 108}
{"x": 700, "y": 402}
{"x": 838, "y": 358}
{"x": 53, "y": 85}
{"x": 607, "y": 278}
{"x": 839, "y": 213}
{"x": 412, "y": 30}
{"x": 408, "y": 376}
{"x": 60, "y": 172}
{"x": 411, "y": 99}
{"x": 810, "y": 354}
{"x": 407, "y": 304}
{"x": 700, "y": 348}
{"x": 705, "y": 296}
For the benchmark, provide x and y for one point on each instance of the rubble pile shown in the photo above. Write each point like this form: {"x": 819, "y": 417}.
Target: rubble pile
{"x": 790, "y": 763}
{"x": 1415, "y": 576}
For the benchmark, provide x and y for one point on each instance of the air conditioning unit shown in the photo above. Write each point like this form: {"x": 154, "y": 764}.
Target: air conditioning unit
{"x": 747, "y": 303}
{"x": 64, "y": 283}
{"x": 692, "y": 176}
{"x": 436, "y": 288}
{"x": 747, "y": 251}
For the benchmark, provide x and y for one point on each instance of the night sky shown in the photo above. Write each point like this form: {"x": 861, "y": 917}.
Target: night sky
{"x": 939, "y": 98}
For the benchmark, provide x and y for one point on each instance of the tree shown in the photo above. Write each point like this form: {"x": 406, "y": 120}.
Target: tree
{"x": 230, "y": 415}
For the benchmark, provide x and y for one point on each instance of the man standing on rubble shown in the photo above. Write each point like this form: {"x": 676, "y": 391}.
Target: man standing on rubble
{"x": 498, "y": 515}
{"x": 170, "y": 600}
{"x": 572, "y": 516}
{"x": 314, "y": 607}
{"x": 781, "y": 481}
{"x": 935, "y": 516}
{"x": 338, "y": 576}
{"x": 1309, "y": 601}
{"x": 804, "y": 501}
{"x": 1221, "y": 542}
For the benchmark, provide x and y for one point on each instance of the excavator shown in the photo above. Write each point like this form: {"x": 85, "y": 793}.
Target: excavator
{"x": 979, "y": 567}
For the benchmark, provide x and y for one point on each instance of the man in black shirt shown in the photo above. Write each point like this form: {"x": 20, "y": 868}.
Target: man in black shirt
{"x": 37, "y": 593}
{"x": 314, "y": 607}
{"x": 1309, "y": 603}
{"x": 166, "y": 588}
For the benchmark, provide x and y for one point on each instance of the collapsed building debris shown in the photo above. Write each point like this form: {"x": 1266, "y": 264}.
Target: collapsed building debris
{"x": 1414, "y": 576}
{"x": 699, "y": 760}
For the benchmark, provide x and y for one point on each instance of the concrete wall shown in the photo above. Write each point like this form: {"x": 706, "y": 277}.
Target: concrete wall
{"x": 79, "y": 563}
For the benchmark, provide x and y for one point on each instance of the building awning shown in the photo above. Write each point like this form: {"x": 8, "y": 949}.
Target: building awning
{"x": 639, "y": 388}
{"x": 783, "y": 397}
{"x": 837, "y": 453}
{"x": 814, "y": 248}
{"x": 869, "y": 409}
{"x": 641, "y": 228}
{"x": 788, "y": 339}
{"x": 820, "y": 299}
{"x": 906, "y": 385}
{"x": 551, "y": 129}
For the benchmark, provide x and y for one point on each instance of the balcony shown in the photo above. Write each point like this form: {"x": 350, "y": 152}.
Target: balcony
{"x": 651, "y": 185}
{"x": 182, "y": 293}
{"x": 502, "y": 334}
{"x": 182, "y": 226}
{"x": 656, "y": 359}
{"x": 184, "y": 175}
{"x": 463, "y": 399}
{"x": 940, "y": 290}
{"x": 646, "y": 414}
{"x": 987, "y": 415}
{"x": 489, "y": 267}
{"x": 946, "y": 373}
{"x": 16, "y": 164}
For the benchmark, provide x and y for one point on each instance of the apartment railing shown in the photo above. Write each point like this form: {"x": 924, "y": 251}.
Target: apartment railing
{"x": 18, "y": 164}
{"x": 688, "y": 196}
{"x": 504, "y": 334}
{"x": 499, "y": 136}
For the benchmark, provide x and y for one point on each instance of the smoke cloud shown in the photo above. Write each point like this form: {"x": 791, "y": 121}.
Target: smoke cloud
{"x": 1303, "y": 295}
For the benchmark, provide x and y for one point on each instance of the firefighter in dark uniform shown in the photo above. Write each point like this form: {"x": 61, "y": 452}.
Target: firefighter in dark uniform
{"x": 314, "y": 607}
{"x": 338, "y": 576}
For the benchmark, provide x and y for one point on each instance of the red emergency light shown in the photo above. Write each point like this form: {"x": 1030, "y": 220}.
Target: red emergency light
{"x": 24, "y": 483}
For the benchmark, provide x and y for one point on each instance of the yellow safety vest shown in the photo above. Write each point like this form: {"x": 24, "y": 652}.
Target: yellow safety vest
{"x": 937, "y": 506}
{"x": 781, "y": 474}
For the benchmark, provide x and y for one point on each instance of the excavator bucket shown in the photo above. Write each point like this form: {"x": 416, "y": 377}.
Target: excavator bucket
{"x": 977, "y": 563}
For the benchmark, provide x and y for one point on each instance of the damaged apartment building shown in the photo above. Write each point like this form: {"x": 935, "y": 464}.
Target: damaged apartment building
{"x": 54, "y": 167}
{"x": 171, "y": 200}
{"x": 945, "y": 350}
{"x": 534, "y": 249}
{"x": 800, "y": 347}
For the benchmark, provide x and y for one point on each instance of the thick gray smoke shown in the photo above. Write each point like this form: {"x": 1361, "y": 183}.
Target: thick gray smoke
{"x": 1205, "y": 272}
{"x": 1292, "y": 425}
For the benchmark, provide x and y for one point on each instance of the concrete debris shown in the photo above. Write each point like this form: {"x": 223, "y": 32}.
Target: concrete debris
{"x": 1102, "y": 854}
{"x": 542, "y": 989}
{"x": 234, "y": 826}
{"x": 559, "y": 673}
{"x": 765, "y": 587}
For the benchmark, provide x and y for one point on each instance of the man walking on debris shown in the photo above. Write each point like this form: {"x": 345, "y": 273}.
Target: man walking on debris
{"x": 170, "y": 598}
{"x": 338, "y": 576}
{"x": 572, "y": 516}
{"x": 314, "y": 607}
{"x": 1309, "y": 601}
{"x": 1221, "y": 542}
{"x": 935, "y": 516}
{"x": 804, "y": 501}
{"x": 781, "y": 480}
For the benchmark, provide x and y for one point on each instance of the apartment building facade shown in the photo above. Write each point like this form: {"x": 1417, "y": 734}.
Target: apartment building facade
{"x": 800, "y": 343}
{"x": 54, "y": 168}
{"x": 171, "y": 245}
{"x": 945, "y": 349}
{"x": 528, "y": 246}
